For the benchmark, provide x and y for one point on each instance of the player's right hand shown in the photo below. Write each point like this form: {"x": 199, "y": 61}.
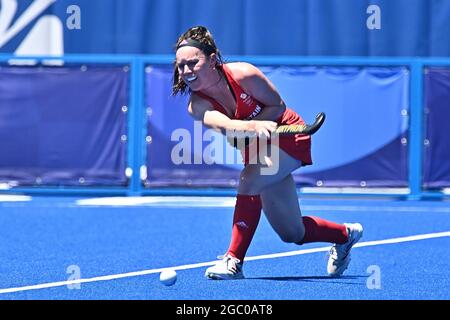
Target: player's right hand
{"x": 263, "y": 128}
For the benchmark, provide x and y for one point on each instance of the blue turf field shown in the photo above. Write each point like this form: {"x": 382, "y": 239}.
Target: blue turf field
{"x": 41, "y": 238}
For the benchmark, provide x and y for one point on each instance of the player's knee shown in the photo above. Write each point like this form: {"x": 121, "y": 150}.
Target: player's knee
{"x": 301, "y": 235}
{"x": 249, "y": 185}
{"x": 292, "y": 236}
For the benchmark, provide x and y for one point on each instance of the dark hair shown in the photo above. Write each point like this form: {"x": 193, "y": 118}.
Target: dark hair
{"x": 195, "y": 35}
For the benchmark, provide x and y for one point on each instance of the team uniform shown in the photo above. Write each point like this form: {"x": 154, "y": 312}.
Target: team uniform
{"x": 248, "y": 208}
{"x": 297, "y": 146}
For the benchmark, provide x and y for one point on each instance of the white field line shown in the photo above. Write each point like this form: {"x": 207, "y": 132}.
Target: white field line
{"x": 229, "y": 202}
{"x": 204, "y": 264}
{"x": 217, "y": 202}
{"x": 14, "y": 198}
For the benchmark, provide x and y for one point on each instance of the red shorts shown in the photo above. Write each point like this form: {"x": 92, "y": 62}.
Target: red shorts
{"x": 297, "y": 146}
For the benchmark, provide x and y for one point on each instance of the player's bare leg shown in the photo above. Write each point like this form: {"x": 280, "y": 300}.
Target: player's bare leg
{"x": 282, "y": 210}
{"x": 281, "y": 207}
{"x": 247, "y": 214}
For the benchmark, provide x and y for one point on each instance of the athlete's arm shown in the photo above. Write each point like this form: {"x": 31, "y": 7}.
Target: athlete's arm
{"x": 255, "y": 83}
{"x": 202, "y": 110}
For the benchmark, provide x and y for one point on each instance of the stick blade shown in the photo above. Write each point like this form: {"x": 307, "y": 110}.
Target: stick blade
{"x": 306, "y": 129}
{"x": 320, "y": 119}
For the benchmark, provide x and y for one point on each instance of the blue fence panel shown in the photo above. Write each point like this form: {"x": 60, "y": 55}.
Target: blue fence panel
{"x": 436, "y": 164}
{"x": 351, "y": 149}
{"x": 63, "y": 125}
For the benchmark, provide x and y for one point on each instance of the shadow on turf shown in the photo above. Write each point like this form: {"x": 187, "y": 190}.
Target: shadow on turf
{"x": 316, "y": 279}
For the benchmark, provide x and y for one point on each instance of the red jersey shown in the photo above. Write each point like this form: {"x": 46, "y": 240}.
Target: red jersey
{"x": 297, "y": 146}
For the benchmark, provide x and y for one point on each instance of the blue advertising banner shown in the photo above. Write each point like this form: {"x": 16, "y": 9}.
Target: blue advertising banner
{"x": 63, "y": 125}
{"x": 436, "y": 164}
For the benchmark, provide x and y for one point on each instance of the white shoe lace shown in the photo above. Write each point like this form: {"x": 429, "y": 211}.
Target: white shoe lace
{"x": 338, "y": 251}
{"x": 231, "y": 263}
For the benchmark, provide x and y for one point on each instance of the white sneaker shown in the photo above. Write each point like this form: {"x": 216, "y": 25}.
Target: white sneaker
{"x": 340, "y": 253}
{"x": 229, "y": 268}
